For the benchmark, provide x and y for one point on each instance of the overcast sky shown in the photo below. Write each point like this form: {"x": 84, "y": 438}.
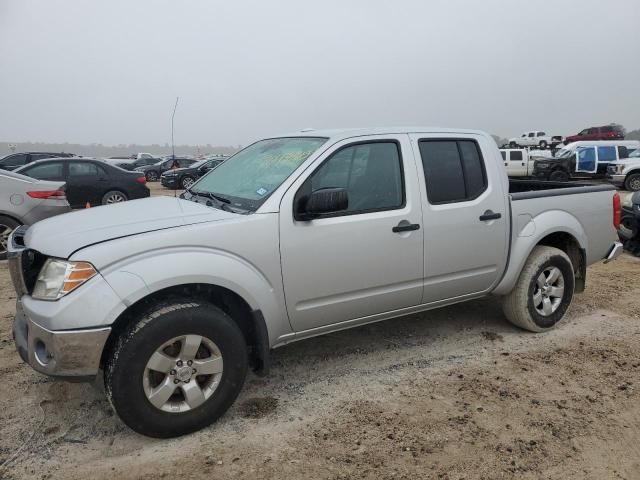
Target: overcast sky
{"x": 108, "y": 72}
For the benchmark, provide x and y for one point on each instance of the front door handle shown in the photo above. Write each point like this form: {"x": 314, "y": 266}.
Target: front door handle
{"x": 405, "y": 226}
{"x": 489, "y": 215}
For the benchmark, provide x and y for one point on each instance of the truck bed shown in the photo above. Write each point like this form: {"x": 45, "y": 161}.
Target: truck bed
{"x": 523, "y": 189}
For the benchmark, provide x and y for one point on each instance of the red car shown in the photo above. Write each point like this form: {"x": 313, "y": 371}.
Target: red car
{"x": 608, "y": 132}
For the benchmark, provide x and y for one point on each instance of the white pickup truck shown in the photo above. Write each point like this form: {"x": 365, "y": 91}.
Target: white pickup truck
{"x": 519, "y": 162}
{"x": 536, "y": 138}
{"x": 292, "y": 237}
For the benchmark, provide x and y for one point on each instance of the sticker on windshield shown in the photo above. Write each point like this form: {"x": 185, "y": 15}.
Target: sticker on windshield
{"x": 261, "y": 191}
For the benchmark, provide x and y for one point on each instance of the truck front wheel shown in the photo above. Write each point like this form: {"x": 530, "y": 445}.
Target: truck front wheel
{"x": 543, "y": 291}
{"x": 176, "y": 369}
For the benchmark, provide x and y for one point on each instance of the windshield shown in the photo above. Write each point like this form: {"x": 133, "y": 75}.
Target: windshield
{"x": 252, "y": 174}
{"x": 197, "y": 164}
{"x": 565, "y": 152}
{"x": 635, "y": 154}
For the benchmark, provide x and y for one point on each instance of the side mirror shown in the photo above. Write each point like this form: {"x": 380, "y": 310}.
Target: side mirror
{"x": 323, "y": 201}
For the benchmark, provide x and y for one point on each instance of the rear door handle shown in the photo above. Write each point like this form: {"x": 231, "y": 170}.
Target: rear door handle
{"x": 489, "y": 215}
{"x": 405, "y": 226}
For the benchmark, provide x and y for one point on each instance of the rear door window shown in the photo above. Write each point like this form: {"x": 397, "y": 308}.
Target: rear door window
{"x": 85, "y": 169}
{"x": 606, "y": 154}
{"x": 46, "y": 171}
{"x": 516, "y": 156}
{"x": 453, "y": 169}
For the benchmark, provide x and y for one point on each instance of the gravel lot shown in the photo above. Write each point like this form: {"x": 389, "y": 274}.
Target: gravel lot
{"x": 448, "y": 394}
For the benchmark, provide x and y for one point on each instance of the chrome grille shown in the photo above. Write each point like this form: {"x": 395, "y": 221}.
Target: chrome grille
{"x": 15, "y": 270}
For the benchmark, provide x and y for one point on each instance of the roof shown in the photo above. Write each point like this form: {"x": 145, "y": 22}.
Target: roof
{"x": 342, "y": 133}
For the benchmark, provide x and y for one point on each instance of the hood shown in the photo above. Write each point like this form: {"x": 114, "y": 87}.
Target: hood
{"x": 62, "y": 235}
{"x": 627, "y": 161}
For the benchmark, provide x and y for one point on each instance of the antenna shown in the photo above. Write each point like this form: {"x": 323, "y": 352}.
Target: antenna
{"x": 173, "y": 145}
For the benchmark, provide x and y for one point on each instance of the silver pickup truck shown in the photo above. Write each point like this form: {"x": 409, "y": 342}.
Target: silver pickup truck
{"x": 172, "y": 300}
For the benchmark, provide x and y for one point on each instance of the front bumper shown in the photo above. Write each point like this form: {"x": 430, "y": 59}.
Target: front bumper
{"x": 65, "y": 353}
{"x": 170, "y": 182}
{"x": 614, "y": 252}
{"x": 617, "y": 180}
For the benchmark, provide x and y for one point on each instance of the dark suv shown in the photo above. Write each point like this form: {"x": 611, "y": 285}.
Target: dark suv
{"x": 15, "y": 160}
{"x": 608, "y": 132}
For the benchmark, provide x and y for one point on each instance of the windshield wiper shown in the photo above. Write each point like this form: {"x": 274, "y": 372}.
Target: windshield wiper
{"x": 222, "y": 202}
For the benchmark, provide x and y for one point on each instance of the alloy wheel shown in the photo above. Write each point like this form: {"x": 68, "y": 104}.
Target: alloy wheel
{"x": 183, "y": 373}
{"x": 548, "y": 291}
{"x": 115, "y": 198}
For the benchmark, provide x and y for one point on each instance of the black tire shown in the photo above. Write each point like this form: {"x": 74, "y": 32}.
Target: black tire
{"x": 114, "y": 196}
{"x": 187, "y": 181}
{"x": 632, "y": 182}
{"x": 519, "y": 307}
{"x": 7, "y": 225}
{"x": 127, "y": 359}
{"x": 543, "y": 144}
{"x": 559, "y": 176}
{"x": 152, "y": 176}
{"x": 513, "y": 144}
{"x": 628, "y": 228}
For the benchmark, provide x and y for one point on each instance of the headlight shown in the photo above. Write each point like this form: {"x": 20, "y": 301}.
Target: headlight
{"x": 59, "y": 277}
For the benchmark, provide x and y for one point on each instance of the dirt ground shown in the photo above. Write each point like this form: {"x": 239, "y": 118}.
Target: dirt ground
{"x": 455, "y": 393}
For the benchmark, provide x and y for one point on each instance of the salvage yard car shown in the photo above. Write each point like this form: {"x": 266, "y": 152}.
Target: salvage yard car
{"x": 535, "y": 139}
{"x": 90, "y": 180}
{"x": 186, "y": 176}
{"x": 583, "y": 160}
{"x": 293, "y": 237}
{"x": 626, "y": 172}
{"x": 25, "y": 200}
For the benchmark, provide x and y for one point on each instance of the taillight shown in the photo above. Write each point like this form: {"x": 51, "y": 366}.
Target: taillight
{"x": 55, "y": 194}
{"x": 617, "y": 210}
{"x": 141, "y": 179}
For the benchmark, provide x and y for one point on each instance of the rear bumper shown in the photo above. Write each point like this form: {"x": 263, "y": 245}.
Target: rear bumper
{"x": 614, "y": 252}
{"x": 43, "y": 211}
{"x": 67, "y": 353}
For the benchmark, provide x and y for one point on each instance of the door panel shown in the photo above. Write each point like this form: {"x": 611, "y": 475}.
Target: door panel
{"x": 462, "y": 254}
{"x": 86, "y": 182}
{"x": 352, "y": 265}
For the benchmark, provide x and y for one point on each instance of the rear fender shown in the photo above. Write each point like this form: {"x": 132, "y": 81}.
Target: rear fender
{"x": 527, "y": 234}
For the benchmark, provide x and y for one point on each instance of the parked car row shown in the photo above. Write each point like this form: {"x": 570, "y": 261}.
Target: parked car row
{"x": 616, "y": 160}
{"x": 540, "y": 139}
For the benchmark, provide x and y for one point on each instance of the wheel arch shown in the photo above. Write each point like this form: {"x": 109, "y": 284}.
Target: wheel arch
{"x": 250, "y": 321}
{"x": 553, "y": 229}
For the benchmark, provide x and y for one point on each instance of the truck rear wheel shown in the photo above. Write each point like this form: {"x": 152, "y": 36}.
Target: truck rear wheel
{"x": 632, "y": 182}
{"x": 177, "y": 369}
{"x": 543, "y": 291}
